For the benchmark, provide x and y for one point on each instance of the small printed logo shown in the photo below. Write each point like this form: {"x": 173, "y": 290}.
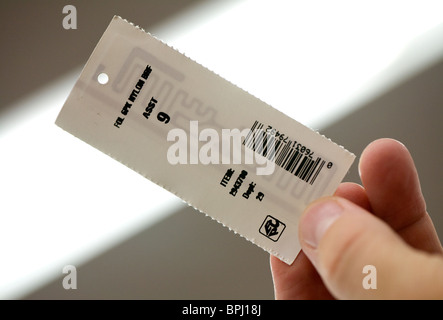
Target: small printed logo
{"x": 272, "y": 228}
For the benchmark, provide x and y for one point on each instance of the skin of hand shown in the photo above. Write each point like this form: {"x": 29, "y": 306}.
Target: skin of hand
{"x": 383, "y": 223}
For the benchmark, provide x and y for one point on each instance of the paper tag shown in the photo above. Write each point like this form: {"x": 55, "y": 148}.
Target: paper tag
{"x": 215, "y": 146}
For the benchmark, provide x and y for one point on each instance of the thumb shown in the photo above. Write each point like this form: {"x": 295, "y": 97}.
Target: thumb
{"x": 358, "y": 256}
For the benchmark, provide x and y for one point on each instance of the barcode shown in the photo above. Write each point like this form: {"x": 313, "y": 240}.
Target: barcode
{"x": 283, "y": 154}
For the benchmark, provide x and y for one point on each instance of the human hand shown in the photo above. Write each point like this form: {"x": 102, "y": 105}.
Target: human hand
{"x": 383, "y": 224}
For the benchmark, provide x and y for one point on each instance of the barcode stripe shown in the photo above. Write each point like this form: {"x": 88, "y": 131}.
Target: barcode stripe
{"x": 312, "y": 169}
{"x": 251, "y": 131}
{"x": 288, "y": 156}
{"x": 265, "y": 145}
{"x": 277, "y": 149}
{"x": 297, "y": 159}
{"x": 282, "y": 154}
{"x": 300, "y": 166}
{"x": 317, "y": 172}
{"x": 260, "y": 142}
{"x": 291, "y": 160}
{"x": 307, "y": 168}
{"x": 274, "y": 149}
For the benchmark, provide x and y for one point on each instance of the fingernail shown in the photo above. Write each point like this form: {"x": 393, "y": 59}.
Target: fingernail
{"x": 317, "y": 219}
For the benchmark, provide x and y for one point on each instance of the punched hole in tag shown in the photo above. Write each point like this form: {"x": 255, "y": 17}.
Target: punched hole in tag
{"x": 103, "y": 78}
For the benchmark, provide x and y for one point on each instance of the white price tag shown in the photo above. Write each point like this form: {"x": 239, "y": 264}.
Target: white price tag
{"x": 215, "y": 146}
